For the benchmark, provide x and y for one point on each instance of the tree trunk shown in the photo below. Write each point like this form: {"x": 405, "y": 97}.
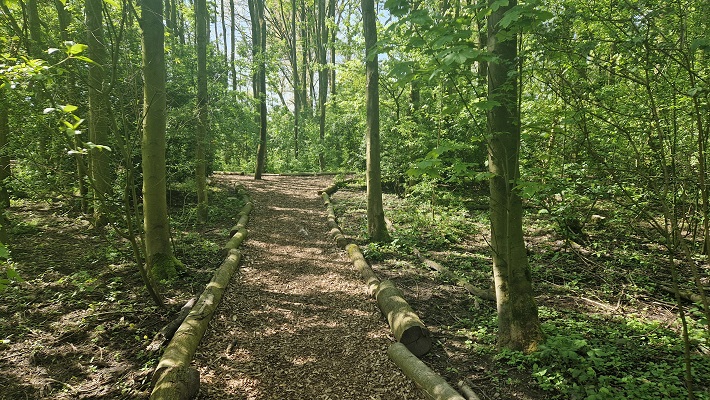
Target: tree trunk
{"x": 99, "y": 125}
{"x": 258, "y": 28}
{"x": 233, "y": 39}
{"x": 223, "y": 17}
{"x": 518, "y": 323}
{"x": 201, "y": 21}
{"x": 321, "y": 41}
{"x": 331, "y": 45}
{"x": 405, "y": 324}
{"x": 4, "y": 165}
{"x": 376, "y": 227}
{"x": 159, "y": 255}
{"x": 296, "y": 80}
{"x": 173, "y": 377}
{"x": 64, "y": 18}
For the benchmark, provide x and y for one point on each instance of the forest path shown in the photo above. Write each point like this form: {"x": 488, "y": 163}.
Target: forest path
{"x": 296, "y": 321}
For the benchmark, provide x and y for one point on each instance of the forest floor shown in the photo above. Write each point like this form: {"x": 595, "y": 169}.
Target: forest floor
{"x": 296, "y": 321}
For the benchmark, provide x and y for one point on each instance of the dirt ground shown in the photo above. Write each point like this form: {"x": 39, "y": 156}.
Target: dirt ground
{"x": 295, "y": 323}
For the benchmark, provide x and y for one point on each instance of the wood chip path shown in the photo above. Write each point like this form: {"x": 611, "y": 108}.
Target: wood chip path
{"x": 296, "y": 322}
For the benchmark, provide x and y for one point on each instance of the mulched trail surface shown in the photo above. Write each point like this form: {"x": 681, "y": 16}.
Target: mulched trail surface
{"x": 296, "y": 321}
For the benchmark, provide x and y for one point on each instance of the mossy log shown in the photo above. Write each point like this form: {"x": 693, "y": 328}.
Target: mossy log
{"x": 406, "y": 326}
{"x": 335, "y": 231}
{"x": 173, "y": 376}
{"x": 236, "y": 240}
{"x": 686, "y": 295}
{"x": 358, "y": 260}
{"x": 243, "y": 218}
{"x": 432, "y": 384}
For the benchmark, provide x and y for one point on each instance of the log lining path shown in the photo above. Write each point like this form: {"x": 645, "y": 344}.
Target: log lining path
{"x": 296, "y": 321}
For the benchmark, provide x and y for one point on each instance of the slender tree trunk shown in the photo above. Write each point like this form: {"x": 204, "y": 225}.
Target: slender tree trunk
{"x": 201, "y": 21}
{"x": 4, "y": 165}
{"x": 64, "y": 18}
{"x": 321, "y": 42}
{"x": 169, "y": 17}
{"x": 223, "y": 17}
{"x": 233, "y": 39}
{"x": 305, "y": 48}
{"x": 296, "y": 79}
{"x": 331, "y": 45}
{"x": 98, "y": 109}
{"x": 159, "y": 255}
{"x": 35, "y": 28}
{"x": 518, "y": 324}
{"x": 376, "y": 227}
{"x": 258, "y": 24}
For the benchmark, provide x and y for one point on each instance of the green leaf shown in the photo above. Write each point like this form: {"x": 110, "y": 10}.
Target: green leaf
{"x": 397, "y": 7}
{"x": 13, "y": 275}
{"x": 76, "y": 48}
{"x": 48, "y": 110}
{"x": 510, "y": 16}
{"x": 85, "y": 59}
{"x": 484, "y": 176}
{"x": 485, "y": 104}
{"x": 12, "y": 4}
{"x": 4, "y": 252}
{"x": 68, "y": 108}
{"x": 52, "y": 50}
{"x": 402, "y": 70}
{"x": 498, "y": 4}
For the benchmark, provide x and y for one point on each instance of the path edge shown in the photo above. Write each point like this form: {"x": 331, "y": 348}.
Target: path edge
{"x": 433, "y": 385}
{"x": 174, "y": 378}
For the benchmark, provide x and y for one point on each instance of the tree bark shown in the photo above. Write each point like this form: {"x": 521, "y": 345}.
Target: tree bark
{"x": 99, "y": 124}
{"x": 258, "y": 28}
{"x": 406, "y": 326}
{"x": 201, "y": 21}
{"x": 376, "y": 227}
{"x": 433, "y": 385}
{"x": 233, "y": 39}
{"x": 159, "y": 255}
{"x": 518, "y": 323}
{"x": 243, "y": 218}
{"x": 173, "y": 377}
{"x": 321, "y": 41}
{"x": 4, "y": 165}
{"x": 361, "y": 265}
{"x": 297, "y": 100}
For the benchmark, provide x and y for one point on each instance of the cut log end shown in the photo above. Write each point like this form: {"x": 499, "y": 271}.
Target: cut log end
{"x": 404, "y": 322}
{"x": 417, "y": 340}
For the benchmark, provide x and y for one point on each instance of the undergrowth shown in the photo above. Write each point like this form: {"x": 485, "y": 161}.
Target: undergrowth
{"x": 629, "y": 347}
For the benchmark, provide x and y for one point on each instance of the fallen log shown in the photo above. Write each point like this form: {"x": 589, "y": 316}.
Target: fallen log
{"x": 685, "y": 295}
{"x": 173, "y": 377}
{"x": 358, "y": 260}
{"x": 447, "y": 274}
{"x": 335, "y": 187}
{"x": 335, "y": 231}
{"x": 468, "y": 393}
{"x": 168, "y": 331}
{"x": 432, "y": 384}
{"x": 236, "y": 240}
{"x": 405, "y": 324}
{"x": 243, "y": 218}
